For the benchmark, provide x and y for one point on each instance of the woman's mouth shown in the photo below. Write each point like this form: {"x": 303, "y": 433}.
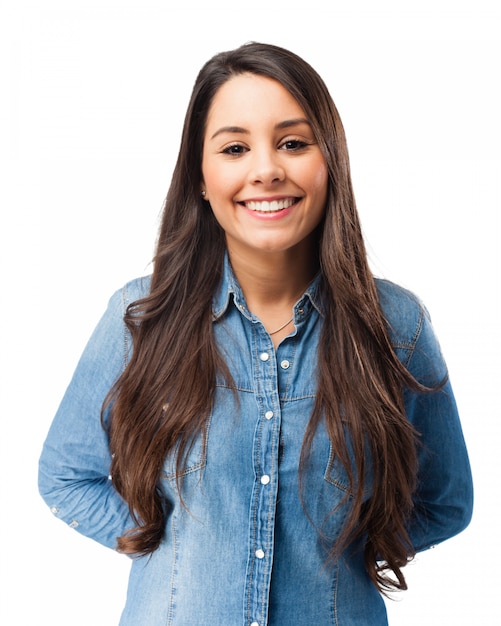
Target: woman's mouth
{"x": 272, "y": 206}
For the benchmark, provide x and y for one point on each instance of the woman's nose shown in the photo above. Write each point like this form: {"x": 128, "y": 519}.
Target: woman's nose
{"x": 266, "y": 167}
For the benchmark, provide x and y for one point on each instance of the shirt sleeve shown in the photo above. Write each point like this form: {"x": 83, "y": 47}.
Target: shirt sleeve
{"x": 444, "y": 495}
{"x": 75, "y": 461}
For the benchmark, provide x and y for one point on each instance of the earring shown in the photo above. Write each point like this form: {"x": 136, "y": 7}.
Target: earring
{"x": 203, "y": 193}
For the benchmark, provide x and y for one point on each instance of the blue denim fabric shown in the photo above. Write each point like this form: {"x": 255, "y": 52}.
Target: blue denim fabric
{"x": 247, "y": 551}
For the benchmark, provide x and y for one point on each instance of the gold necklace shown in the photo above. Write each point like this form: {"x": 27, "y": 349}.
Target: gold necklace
{"x": 281, "y": 327}
{"x": 274, "y": 332}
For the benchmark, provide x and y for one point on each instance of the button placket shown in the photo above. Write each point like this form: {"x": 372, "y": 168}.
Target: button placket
{"x": 262, "y": 515}
{"x": 285, "y": 361}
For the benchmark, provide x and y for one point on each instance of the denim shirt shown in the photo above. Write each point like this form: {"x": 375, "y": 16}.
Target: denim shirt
{"x": 246, "y": 550}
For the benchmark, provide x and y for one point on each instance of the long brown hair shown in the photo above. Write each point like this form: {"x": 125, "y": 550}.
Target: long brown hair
{"x": 161, "y": 402}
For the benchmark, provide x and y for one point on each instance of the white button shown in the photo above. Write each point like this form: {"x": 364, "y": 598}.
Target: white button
{"x": 268, "y": 415}
{"x": 285, "y": 364}
{"x": 264, "y": 356}
{"x": 255, "y": 624}
{"x": 260, "y": 554}
{"x": 265, "y": 479}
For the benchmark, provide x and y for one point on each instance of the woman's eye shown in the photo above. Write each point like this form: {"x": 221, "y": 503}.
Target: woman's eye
{"x": 234, "y": 150}
{"x": 293, "y": 145}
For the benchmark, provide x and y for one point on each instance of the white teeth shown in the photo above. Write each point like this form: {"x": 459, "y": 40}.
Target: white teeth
{"x": 270, "y": 207}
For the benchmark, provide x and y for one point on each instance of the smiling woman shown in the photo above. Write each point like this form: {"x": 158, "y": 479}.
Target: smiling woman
{"x": 265, "y": 175}
{"x": 264, "y": 426}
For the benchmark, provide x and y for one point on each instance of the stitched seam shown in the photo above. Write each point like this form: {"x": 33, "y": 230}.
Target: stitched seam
{"x": 170, "y": 616}
{"x": 334, "y": 595}
{"x": 415, "y": 338}
{"x": 124, "y": 327}
{"x": 234, "y": 388}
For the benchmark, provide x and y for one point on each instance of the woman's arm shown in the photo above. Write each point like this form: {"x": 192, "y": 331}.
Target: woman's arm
{"x": 444, "y": 495}
{"x": 74, "y": 465}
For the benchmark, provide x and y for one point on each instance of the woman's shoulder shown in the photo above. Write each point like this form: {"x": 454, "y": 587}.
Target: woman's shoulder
{"x": 391, "y": 295}
{"x": 136, "y": 289}
{"x": 131, "y": 291}
{"x": 411, "y": 332}
{"x": 403, "y": 310}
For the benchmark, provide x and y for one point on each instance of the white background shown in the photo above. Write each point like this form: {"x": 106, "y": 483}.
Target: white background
{"x": 90, "y": 119}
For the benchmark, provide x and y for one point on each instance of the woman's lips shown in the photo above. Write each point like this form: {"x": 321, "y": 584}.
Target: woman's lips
{"x": 269, "y": 206}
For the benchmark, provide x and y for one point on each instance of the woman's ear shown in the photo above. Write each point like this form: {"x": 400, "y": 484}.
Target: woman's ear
{"x": 203, "y": 190}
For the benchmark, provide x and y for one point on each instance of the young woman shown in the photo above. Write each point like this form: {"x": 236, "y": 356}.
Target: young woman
{"x": 264, "y": 427}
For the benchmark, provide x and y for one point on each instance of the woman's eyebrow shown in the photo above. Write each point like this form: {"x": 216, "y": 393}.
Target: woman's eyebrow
{"x": 230, "y": 129}
{"x": 244, "y": 131}
{"x": 294, "y": 122}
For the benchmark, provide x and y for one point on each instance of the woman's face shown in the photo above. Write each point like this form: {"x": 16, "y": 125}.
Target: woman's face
{"x": 263, "y": 172}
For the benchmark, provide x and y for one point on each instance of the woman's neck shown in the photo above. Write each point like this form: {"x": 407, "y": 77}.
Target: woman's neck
{"x": 272, "y": 284}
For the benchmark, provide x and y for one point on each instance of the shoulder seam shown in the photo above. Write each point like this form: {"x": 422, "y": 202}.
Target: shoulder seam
{"x": 124, "y": 328}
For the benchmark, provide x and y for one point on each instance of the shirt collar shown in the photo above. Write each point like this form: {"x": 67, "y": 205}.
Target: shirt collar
{"x": 229, "y": 286}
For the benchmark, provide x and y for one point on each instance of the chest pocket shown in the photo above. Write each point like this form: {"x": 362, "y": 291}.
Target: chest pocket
{"x": 336, "y": 474}
{"x": 333, "y": 500}
{"x": 195, "y": 460}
